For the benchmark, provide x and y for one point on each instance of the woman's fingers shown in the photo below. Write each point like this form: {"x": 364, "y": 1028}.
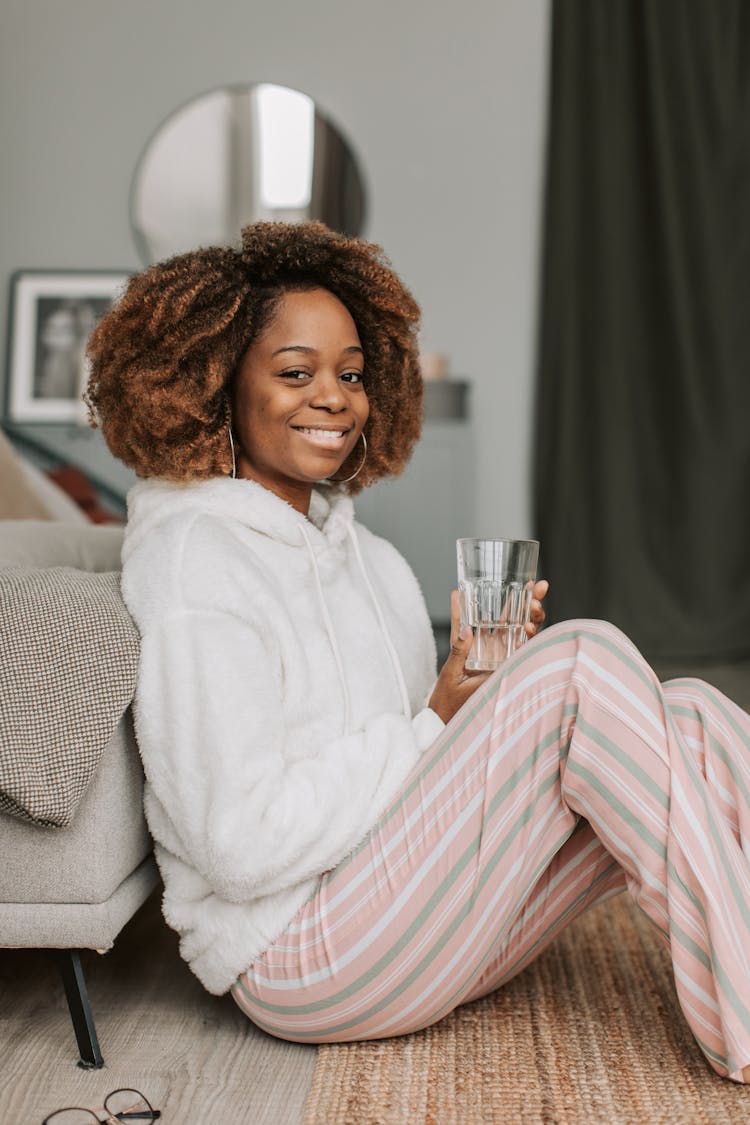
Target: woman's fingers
{"x": 462, "y": 637}
{"x": 461, "y": 645}
{"x": 537, "y": 614}
{"x": 540, "y": 589}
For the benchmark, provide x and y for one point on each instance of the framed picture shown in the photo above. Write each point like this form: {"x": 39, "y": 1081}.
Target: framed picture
{"x": 52, "y": 314}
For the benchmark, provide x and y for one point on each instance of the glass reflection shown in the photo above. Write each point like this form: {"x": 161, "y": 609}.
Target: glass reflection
{"x": 285, "y": 123}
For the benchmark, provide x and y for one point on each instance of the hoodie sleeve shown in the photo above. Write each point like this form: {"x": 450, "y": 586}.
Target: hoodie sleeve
{"x": 227, "y": 794}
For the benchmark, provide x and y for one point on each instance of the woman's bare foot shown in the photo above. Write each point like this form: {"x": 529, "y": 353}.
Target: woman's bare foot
{"x": 746, "y": 1074}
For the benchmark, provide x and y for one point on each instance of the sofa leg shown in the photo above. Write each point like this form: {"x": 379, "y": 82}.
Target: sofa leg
{"x": 71, "y": 970}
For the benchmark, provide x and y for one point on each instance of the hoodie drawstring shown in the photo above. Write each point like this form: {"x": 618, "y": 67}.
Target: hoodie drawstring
{"x": 383, "y": 627}
{"x": 332, "y": 632}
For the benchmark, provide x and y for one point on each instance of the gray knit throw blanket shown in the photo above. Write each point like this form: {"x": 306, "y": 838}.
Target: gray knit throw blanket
{"x": 68, "y": 662}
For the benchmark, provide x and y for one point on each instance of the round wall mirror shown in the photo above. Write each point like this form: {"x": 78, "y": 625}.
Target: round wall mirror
{"x": 239, "y": 155}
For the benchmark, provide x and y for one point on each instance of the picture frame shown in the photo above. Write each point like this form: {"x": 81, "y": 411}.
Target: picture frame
{"x": 51, "y": 316}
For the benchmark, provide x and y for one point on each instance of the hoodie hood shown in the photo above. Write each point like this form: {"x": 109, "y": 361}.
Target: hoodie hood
{"x": 154, "y": 502}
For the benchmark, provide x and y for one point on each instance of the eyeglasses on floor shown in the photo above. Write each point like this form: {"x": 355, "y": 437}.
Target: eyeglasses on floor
{"x": 120, "y": 1107}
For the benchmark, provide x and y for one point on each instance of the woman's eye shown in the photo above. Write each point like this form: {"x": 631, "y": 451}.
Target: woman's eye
{"x": 297, "y": 376}
{"x": 352, "y": 376}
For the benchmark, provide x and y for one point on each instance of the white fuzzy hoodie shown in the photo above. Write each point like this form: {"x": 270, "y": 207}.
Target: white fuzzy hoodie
{"x": 282, "y": 661}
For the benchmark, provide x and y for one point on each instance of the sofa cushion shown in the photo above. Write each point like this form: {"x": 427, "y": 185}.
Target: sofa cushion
{"x": 69, "y": 653}
{"x": 44, "y": 543}
{"x": 86, "y": 862}
{"x": 77, "y": 925}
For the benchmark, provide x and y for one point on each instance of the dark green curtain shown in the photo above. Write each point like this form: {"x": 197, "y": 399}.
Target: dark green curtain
{"x": 642, "y": 444}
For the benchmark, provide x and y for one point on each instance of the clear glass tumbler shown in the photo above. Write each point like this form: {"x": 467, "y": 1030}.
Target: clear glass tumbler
{"x": 495, "y": 582}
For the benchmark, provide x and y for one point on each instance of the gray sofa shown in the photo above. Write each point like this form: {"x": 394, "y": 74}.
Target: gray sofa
{"x": 74, "y": 888}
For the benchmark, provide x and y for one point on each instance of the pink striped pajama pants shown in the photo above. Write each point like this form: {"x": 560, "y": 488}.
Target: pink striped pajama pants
{"x": 570, "y": 775}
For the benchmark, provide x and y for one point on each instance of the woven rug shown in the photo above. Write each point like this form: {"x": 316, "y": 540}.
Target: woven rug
{"x": 591, "y": 1033}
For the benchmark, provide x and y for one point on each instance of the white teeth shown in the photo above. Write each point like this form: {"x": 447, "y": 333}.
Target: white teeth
{"x": 321, "y": 433}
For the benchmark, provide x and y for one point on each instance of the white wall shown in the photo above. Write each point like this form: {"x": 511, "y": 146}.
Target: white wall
{"x": 444, "y": 102}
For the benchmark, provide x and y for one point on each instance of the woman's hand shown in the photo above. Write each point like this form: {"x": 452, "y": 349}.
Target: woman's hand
{"x": 454, "y": 684}
{"x": 537, "y": 615}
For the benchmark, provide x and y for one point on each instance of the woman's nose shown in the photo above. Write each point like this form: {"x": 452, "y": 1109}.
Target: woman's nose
{"x": 327, "y": 392}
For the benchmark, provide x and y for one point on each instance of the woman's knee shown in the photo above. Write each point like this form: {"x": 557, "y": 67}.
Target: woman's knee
{"x": 590, "y": 631}
{"x": 598, "y": 646}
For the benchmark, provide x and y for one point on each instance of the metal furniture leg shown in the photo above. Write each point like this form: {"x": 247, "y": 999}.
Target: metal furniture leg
{"x": 69, "y": 964}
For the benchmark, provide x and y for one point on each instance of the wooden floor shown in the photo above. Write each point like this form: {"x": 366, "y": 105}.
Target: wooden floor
{"x": 193, "y": 1055}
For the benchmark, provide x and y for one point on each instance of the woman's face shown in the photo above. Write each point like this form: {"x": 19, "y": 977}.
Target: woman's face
{"x": 299, "y": 400}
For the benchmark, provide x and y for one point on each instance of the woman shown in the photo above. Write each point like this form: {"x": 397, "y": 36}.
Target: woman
{"x": 350, "y": 845}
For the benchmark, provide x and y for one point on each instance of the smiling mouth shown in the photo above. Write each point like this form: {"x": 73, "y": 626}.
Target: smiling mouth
{"x": 330, "y": 439}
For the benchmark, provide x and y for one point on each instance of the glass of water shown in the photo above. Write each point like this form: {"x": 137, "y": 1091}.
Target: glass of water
{"x": 495, "y": 583}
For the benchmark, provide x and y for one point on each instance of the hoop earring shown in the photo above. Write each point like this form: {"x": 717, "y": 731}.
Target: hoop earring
{"x": 359, "y": 468}
{"x": 234, "y": 458}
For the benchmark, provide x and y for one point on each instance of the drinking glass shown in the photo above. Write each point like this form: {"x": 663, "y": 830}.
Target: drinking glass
{"x": 495, "y": 583}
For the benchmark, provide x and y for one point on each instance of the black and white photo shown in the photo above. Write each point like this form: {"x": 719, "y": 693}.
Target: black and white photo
{"x": 52, "y": 315}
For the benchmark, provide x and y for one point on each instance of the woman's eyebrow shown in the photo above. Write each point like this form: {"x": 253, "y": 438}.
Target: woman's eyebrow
{"x": 307, "y": 350}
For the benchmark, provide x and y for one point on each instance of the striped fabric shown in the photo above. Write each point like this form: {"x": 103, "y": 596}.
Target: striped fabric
{"x": 569, "y": 776}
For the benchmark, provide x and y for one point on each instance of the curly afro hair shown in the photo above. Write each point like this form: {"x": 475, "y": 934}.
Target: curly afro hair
{"x": 163, "y": 359}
